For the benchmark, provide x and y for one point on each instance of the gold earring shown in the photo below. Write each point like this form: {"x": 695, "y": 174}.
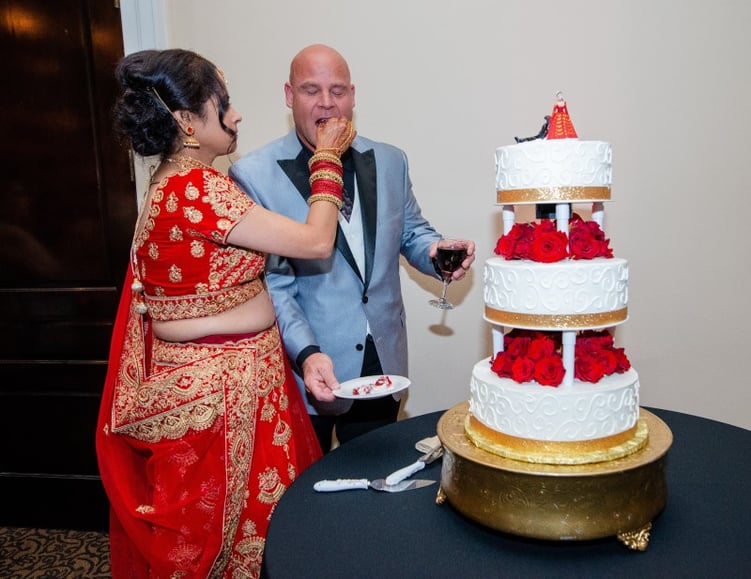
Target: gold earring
{"x": 190, "y": 142}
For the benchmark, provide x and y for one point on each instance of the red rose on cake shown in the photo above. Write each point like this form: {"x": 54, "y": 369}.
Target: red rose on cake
{"x": 530, "y": 355}
{"x": 543, "y": 243}
{"x": 535, "y": 355}
{"x": 587, "y": 240}
{"x": 549, "y": 371}
{"x": 515, "y": 244}
{"x": 548, "y": 245}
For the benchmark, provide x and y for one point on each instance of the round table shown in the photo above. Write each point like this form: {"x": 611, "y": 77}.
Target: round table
{"x": 702, "y": 531}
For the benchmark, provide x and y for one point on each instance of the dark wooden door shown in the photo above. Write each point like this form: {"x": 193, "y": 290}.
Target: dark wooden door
{"x": 67, "y": 208}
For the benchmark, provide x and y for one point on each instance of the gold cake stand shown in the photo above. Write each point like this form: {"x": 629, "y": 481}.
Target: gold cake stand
{"x": 617, "y": 498}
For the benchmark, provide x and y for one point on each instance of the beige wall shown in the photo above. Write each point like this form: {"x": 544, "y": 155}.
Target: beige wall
{"x": 665, "y": 82}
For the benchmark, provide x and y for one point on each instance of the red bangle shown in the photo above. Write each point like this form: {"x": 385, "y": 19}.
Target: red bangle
{"x": 327, "y": 187}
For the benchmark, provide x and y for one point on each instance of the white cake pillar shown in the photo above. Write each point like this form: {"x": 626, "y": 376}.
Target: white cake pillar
{"x": 569, "y": 343}
{"x": 508, "y": 218}
{"x": 497, "y": 332}
{"x": 562, "y": 214}
{"x": 598, "y": 213}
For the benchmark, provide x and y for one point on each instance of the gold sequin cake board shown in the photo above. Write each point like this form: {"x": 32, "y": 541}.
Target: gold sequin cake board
{"x": 617, "y": 498}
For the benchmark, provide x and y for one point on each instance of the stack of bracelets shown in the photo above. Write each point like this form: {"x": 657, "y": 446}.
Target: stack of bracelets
{"x": 326, "y": 177}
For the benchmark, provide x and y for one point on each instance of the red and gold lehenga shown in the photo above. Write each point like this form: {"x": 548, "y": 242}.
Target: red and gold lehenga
{"x": 196, "y": 441}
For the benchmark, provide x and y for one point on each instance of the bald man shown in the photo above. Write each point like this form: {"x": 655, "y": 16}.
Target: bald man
{"x": 342, "y": 317}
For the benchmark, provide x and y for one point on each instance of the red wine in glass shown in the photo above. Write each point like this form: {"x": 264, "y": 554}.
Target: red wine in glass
{"x": 449, "y": 257}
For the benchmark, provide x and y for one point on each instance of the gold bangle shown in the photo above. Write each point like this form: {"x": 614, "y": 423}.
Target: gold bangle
{"x": 324, "y": 156}
{"x": 325, "y": 197}
{"x": 327, "y": 175}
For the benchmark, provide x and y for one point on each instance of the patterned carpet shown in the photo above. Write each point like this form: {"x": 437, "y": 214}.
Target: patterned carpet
{"x": 53, "y": 554}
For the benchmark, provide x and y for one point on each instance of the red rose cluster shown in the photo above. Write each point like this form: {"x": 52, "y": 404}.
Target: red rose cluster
{"x": 530, "y": 355}
{"x": 535, "y": 355}
{"x": 595, "y": 356}
{"x": 541, "y": 242}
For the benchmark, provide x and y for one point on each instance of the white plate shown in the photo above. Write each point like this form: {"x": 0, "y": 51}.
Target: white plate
{"x": 366, "y": 388}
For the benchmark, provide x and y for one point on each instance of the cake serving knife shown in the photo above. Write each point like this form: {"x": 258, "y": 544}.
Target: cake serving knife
{"x": 346, "y": 484}
{"x": 419, "y": 464}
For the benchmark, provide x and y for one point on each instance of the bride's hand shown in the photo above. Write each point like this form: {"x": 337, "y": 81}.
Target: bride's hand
{"x": 335, "y": 135}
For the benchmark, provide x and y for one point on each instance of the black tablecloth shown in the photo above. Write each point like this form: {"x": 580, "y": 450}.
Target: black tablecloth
{"x": 703, "y": 531}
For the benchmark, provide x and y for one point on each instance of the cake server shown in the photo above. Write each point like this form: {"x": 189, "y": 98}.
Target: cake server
{"x": 399, "y": 475}
{"x": 346, "y": 484}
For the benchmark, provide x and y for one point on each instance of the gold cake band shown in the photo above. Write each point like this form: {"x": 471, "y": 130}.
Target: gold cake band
{"x": 557, "y": 320}
{"x": 555, "y": 452}
{"x": 553, "y": 194}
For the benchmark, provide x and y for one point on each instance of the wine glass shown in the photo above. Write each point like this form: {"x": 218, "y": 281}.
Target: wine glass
{"x": 448, "y": 258}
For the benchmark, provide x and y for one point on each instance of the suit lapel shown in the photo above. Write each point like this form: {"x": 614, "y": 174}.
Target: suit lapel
{"x": 297, "y": 171}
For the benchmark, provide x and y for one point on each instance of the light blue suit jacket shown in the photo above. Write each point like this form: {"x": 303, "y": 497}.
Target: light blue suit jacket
{"x": 329, "y": 302}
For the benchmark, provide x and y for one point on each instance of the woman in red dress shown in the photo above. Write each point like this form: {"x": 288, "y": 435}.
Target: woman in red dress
{"x": 202, "y": 427}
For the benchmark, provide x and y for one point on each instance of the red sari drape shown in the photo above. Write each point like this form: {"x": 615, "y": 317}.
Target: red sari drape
{"x": 195, "y": 448}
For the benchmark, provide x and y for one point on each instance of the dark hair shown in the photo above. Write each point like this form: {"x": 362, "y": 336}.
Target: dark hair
{"x": 156, "y": 83}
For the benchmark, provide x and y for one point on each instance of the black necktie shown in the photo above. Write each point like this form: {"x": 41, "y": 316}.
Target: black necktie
{"x": 347, "y": 203}
{"x": 348, "y": 191}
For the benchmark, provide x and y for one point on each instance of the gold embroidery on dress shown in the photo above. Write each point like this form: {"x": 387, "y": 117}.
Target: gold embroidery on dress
{"x": 191, "y": 191}
{"x": 270, "y": 486}
{"x": 175, "y": 424}
{"x": 196, "y": 248}
{"x": 251, "y": 550}
{"x": 283, "y": 401}
{"x": 267, "y": 412}
{"x": 175, "y": 233}
{"x": 172, "y": 203}
{"x": 145, "y": 509}
{"x": 153, "y": 251}
{"x": 210, "y": 496}
{"x": 163, "y": 307}
{"x": 230, "y": 206}
{"x": 182, "y": 554}
{"x": 248, "y": 553}
{"x": 192, "y": 214}
{"x": 175, "y": 274}
{"x": 282, "y": 433}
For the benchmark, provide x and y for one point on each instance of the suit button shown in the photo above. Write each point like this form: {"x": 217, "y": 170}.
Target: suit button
{"x": 365, "y": 299}
{"x": 359, "y": 347}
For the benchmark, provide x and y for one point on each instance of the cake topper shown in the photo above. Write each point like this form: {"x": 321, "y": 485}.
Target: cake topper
{"x": 541, "y": 135}
{"x": 556, "y": 126}
{"x": 561, "y": 126}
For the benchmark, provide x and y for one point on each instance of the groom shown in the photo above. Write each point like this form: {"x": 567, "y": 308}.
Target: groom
{"x": 342, "y": 317}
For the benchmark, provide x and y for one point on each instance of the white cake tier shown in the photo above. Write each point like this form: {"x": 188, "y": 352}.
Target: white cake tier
{"x": 566, "y": 295}
{"x": 558, "y": 170}
{"x": 579, "y": 412}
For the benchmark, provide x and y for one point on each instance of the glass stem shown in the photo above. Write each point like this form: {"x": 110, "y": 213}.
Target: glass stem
{"x": 445, "y": 287}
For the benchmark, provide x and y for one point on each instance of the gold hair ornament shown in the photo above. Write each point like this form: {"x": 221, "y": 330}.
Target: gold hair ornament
{"x": 189, "y": 142}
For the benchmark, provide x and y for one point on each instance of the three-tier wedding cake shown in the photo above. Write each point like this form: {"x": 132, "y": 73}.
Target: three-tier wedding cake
{"x": 552, "y": 443}
{"x": 556, "y": 390}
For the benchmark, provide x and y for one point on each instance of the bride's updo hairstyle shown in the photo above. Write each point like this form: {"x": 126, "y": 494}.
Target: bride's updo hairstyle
{"x": 157, "y": 82}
